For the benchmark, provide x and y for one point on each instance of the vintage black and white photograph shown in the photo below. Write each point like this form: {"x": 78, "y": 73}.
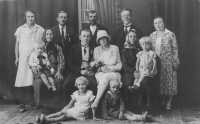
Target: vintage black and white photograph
{"x": 100, "y": 61}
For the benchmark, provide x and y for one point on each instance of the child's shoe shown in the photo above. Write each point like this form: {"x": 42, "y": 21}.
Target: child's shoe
{"x": 50, "y": 88}
{"x": 145, "y": 116}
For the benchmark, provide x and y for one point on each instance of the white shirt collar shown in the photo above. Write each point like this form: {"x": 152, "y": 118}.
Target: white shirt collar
{"x": 60, "y": 26}
{"x": 128, "y": 24}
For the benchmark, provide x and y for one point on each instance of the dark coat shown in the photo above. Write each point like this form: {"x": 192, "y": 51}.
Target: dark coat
{"x": 112, "y": 104}
{"x": 118, "y": 37}
{"x": 74, "y": 60}
{"x": 129, "y": 60}
{"x": 71, "y": 38}
{"x": 94, "y": 37}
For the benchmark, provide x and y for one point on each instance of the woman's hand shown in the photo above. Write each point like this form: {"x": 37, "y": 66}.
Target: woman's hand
{"x": 58, "y": 75}
{"x": 151, "y": 72}
{"x": 17, "y": 62}
{"x": 136, "y": 75}
{"x": 34, "y": 69}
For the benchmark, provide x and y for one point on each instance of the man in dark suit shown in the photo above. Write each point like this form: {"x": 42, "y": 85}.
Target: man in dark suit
{"x": 65, "y": 36}
{"x": 119, "y": 34}
{"x": 93, "y": 26}
{"x": 78, "y": 60}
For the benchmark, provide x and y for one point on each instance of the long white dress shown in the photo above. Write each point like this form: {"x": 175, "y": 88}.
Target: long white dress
{"x": 111, "y": 59}
{"x": 26, "y": 39}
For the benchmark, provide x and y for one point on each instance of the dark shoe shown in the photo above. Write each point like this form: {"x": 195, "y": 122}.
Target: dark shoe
{"x": 135, "y": 87}
{"x": 131, "y": 89}
{"x": 168, "y": 109}
{"x": 21, "y": 108}
{"x": 36, "y": 107}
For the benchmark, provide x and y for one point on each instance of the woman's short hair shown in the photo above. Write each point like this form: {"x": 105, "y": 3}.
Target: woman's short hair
{"x": 81, "y": 78}
{"x": 161, "y": 17}
{"x": 44, "y": 34}
{"x": 29, "y": 11}
{"x": 145, "y": 39}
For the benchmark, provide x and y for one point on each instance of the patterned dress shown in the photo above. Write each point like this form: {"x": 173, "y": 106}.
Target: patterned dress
{"x": 168, "y": 57}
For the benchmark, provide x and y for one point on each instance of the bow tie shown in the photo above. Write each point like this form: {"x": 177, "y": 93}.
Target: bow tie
{"x": 127, "y": 26}
{"x": 85, "y": 46}
{"x": 41, "y": 57}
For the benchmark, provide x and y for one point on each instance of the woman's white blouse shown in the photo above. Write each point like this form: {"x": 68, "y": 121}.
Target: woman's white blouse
{"x": 158, "y": 46}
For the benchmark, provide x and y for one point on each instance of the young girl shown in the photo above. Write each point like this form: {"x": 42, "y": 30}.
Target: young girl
{"x": 146, "y": 62}
{"x": 40, "y": 60}
{"x": 77, "y": 108}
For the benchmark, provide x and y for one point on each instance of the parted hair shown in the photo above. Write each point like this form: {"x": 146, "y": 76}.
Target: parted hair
{"x": 81, "y": 78}
{"x": 29, "y": 11}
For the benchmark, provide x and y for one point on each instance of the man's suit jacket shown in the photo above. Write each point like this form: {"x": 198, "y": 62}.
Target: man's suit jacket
{"x": 74, "y": 60}
{"x": 94, "y": 37}
{"x": 71, "y": 38}
{"x": 119, "y": 36}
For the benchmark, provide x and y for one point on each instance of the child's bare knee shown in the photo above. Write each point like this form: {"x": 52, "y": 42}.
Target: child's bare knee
{"x": 43, "y": 76}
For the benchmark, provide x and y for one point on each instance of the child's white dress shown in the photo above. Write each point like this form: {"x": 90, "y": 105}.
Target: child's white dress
{"x": 81, "y": 105}
{"x": 146, "y": 63}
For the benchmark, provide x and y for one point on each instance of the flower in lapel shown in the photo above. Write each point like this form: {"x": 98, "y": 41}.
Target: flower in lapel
{"x": 67, "y": 36}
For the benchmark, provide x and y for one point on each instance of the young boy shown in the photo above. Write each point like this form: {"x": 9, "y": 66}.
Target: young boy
{"x": 113, "y": 105}
{"x": 40, "y": 60}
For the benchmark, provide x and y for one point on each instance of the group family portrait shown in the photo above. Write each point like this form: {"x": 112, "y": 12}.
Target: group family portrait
{"x": 99, "y": 61}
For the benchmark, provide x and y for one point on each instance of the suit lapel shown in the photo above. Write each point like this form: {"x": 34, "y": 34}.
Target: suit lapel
{"x": 58, "y": 33}
{"x": 79, "y": 52}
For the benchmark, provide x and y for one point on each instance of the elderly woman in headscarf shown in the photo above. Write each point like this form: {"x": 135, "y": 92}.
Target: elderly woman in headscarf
{"x": 131, "y": 48}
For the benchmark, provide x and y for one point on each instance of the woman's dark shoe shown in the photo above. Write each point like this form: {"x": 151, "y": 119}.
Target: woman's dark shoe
{"x": 131, "y": 89}
{"x": 168, "y": 109}
{"x": 21, "y": 108}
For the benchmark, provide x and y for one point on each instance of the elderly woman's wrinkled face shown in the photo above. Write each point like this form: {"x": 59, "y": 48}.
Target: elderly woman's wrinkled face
{"x": 103, "y": 41}
{"x": 49, "y": 35}
{"x": 126, "y": 17}
{"x": 132, "y": 37}
{"x": 159, "y": 24}
{"x": 30, "y": 18}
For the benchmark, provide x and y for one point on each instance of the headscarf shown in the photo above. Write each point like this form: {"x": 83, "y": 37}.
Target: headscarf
{"x": 128, "y": 44}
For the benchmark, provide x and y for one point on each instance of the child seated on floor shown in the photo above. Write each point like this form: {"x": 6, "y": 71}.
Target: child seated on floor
{"x": 146, "y": 63}
{"x": 113, "y": 105}
{"x": 77, "y": 108}
{"x": 40, "y": 60}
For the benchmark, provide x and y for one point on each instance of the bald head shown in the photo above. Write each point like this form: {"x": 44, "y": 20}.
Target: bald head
{"x": 114, "y": 86}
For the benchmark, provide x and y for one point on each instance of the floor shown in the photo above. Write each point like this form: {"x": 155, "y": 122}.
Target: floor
{"x": 188, "y": 114}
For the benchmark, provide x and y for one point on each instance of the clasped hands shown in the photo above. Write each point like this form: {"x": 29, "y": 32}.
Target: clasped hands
{"x": 107, "y": 68}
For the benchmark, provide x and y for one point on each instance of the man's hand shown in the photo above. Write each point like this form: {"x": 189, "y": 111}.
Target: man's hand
{"x": 58, "y": 75}
{"x": 34, "y": 69}
{"x": 136, "y": 75}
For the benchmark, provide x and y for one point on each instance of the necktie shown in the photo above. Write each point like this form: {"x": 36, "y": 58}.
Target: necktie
{"x": 126, "y": 29}
{"x": 84, "y": 50}
{"x": 63, "y": 37}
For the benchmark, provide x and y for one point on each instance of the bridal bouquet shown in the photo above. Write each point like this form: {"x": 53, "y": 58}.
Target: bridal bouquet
{"x": 95, "y": 64}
